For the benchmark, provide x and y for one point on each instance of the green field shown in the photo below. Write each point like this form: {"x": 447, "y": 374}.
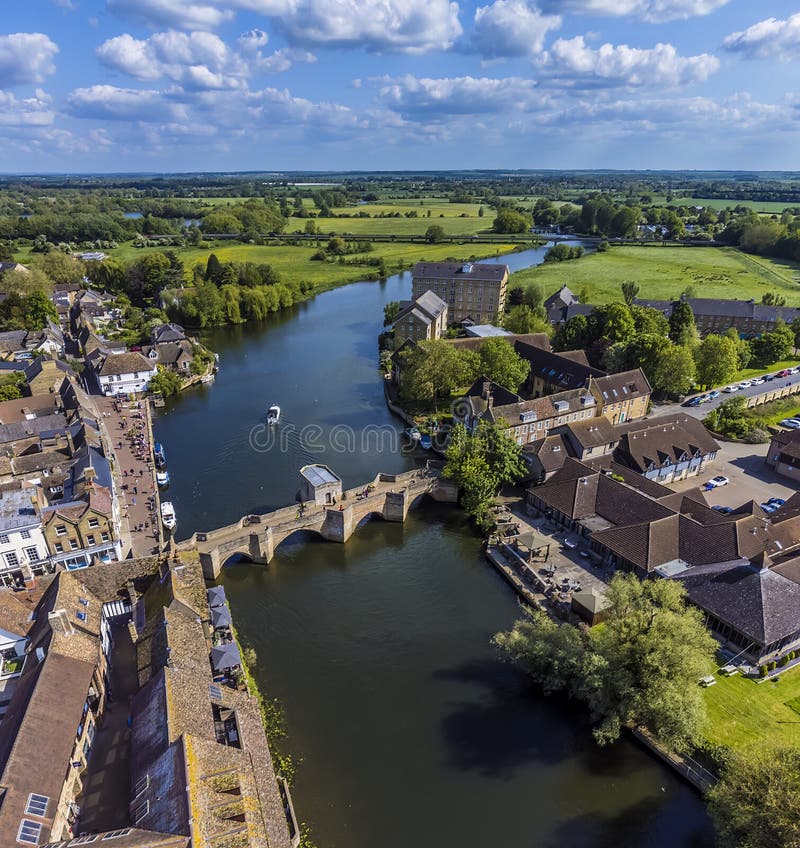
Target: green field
{"x": 743, "y": 713}
{"x": 295, "y": 264}
{"x": 664, "y": 272}
{"x": 766, "y": 206}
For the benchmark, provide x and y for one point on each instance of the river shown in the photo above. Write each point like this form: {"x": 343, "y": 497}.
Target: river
{"x": 408, "y": 727}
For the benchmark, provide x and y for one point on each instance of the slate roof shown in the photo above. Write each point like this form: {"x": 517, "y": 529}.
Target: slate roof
{"x": 454, "y": 270}
{"x": 758, "y": 602}
{"x": 167, "y": 333}
{"x": 124, "y": 363}
{"x": 593, "y": 432}
{"x": 559, "y": 314}
{"x": 563, "y": 297}
{"x": 538, "y": 341}
{"x": 707, "y": 307}
{"x": 787, "y": 446}
{"x": 664, "y": 441}
{"x": 555, "y": 368}
{"x": 17, "y": 509}
{"x": 552, "y": 452}
{"x": 625, "y": 385}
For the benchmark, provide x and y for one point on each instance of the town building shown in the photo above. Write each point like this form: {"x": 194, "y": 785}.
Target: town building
{"x": 485, "y": 331}
{"x": 421, "y": 319}
{"x": 784, "y": 454}
{"x": 23, "y": 548}
{"x": 554, "y": 372}
{"x": 121, "y": 374}
{"x": 562, "y": 299}
{"x": 320, "y": 485}
{"x": 621, "y": 397}
{"x": 473, "y": 291}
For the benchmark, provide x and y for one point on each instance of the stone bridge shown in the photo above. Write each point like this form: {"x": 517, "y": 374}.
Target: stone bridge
{"x": 388, "y": 496}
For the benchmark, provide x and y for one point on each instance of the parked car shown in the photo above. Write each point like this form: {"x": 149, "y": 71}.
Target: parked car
{"x": 784, "y": 373}
{"x": 719, "y": 480}
{"x": 713, "y": 395}
{"x": 729, "y": 389}
{"x": 795, "y": 370}
{"x": 790, "y": 423}
{"x": 745, "y": 384}
{"x": 758, "y": 381}
{"x": 769, "y": 378}
{"x": 725, "y": 510}
{"x": 696, "y": 401}
{"x": 570, "y": 543}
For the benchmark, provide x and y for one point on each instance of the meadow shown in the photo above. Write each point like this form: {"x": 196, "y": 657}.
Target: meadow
{"x": 664, "y": 272}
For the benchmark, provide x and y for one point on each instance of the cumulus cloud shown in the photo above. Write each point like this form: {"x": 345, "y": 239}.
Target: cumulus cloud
{"x": 110, "y": 103}
{"x": 174, "y": 13}
{"x": 511, "y": 28}
{"x": 574, "y": 63}
{"x": 195, "y": 60}
{"x": 252, "y": 40}
{"x": 653, "y": 11}
{"x": 283, "y": 59}
{"x": 412, "y": 96}
{"x": 411, "y": 26}
{"x": 26, "y": 57}
{"x": 768, "y": 39}
{"x": 28, "y": 112}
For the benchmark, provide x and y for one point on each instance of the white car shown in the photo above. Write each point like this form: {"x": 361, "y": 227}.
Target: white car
{"x": 717, "y": 481}
{"x": 791, "y": 423}
{"x": 729, "y": 389}
{"x": 758, "y": 381}
{"x": 745, "y": 384}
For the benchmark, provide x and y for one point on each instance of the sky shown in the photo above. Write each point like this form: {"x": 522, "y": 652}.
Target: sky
{"x": 230, "y": 85}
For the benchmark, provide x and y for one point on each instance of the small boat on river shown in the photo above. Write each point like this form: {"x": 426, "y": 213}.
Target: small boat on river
{"x": 273, "y": 414}
{"x": 168, "y": 518}
{"x": 159, "y": 455}
{"x": 162, "y": 478}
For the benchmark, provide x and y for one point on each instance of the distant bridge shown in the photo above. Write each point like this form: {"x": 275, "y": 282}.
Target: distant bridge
{"x": 388, "y": 496}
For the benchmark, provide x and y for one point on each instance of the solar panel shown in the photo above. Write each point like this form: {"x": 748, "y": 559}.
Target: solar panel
{"x": 215, "y": 692}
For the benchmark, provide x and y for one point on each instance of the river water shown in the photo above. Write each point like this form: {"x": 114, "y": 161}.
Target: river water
{"x": 408, "y": 728}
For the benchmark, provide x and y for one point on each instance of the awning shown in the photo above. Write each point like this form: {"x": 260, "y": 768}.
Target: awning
{"x": 220, "y": 616}
{"x": 216, "y": 596}
{"x": 225, "y": 656}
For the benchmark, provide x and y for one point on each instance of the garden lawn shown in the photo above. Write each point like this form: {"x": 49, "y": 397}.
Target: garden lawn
{"x": 743, "y": 713}
{"x": 664, "y": 272}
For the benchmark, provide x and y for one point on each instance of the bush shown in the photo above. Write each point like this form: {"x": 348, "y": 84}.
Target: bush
{"x": 772, "y": 666}
{"x": 762, "y": 670}
{"x": 756, "y": 436}
{"x": 783, "y": 661}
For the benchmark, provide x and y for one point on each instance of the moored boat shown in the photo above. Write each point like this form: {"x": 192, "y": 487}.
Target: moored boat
{"x": 168, "y": 518}
{"x": 273, "y": 414}
{"x": 159, "y": 455}
{"x": 162, "y": 478}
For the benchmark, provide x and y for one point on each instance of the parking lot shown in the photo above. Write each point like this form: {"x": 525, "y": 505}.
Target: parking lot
{"x": 750, "y": 477}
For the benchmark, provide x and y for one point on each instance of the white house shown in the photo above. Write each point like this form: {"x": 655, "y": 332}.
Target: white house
{"x": 123, "y": 373}
{"x": 23, "y": 549}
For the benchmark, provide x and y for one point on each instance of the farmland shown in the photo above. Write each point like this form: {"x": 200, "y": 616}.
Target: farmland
{"x": 664, "y": 272}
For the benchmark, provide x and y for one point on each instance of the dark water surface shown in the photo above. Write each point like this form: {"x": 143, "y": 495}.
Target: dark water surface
{"x": 410, "y": 729}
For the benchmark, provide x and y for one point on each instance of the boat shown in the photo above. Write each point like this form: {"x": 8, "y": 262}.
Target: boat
{"x": 168, "y": 515}
{"x": 412, "y": 433}
{"x": 162, "y": 478}
{"x": 208, "y": 378}
{"x": 273, "y": 414}
{"x": 159, "y": 455}
{"x": 425, "y": 441}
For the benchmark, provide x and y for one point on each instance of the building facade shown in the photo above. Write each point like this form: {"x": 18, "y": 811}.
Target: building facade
{"x": 23, "y": 548}
{"x": 474, "y": 292}
{"x": 422, "y": 319}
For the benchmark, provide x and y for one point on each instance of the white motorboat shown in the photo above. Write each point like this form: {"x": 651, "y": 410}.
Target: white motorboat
{"x": 168, "y": 518}
{"x": 273, "y": 414}
{"x": 162, "y": 478}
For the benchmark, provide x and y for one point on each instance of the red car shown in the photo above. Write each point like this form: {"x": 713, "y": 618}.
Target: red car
{"x": 784, "y": 373}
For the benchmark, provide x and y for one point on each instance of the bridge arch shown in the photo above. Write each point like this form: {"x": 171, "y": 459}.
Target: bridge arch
{"x": 298, "y": 537}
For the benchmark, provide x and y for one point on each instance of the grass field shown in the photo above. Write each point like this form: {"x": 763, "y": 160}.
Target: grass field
{"x": 295, "y": 264}
{"x": 766, "y": 206}
{"x": 756, "y": 371}
{"x": 664, "y": 272}
{"x": 743, "y": 713}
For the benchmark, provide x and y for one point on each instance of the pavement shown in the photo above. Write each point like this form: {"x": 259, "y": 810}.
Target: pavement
{"x": 129, "y": 436}
{"x": 750, "y": 477}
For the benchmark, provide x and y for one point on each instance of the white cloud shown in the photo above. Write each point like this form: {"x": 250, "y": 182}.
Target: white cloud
{"x": 26, "y": 57}
{"x": 653, "y": 11}
{"x": 195, "y": 60}
{"x": 252, "y": 40}
{"x": 412, "y": 96}
{"x": 174, "y": 13}
{"x": 107, "y": 102}
{"x": 66, "y": 4}
{"x": 768, "y": 39}
{"x": 575, "y": 64}
{"x": 283, "y": 59}
{"x": 29, "y": 112}
{"x": 511, "y": 28}
{"x": 410, "y": 26}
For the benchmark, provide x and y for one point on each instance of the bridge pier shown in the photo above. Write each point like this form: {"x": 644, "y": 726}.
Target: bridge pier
{"x": 338, "y": 524}
{"x": 396, "y": 506}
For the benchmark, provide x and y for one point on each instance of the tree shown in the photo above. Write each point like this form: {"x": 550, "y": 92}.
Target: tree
{"x": 510, "y": 221}
{"x": 390, "y": 312}
{"x": 165, "y": 382}
{"x": 573, "y": 335}
{"x": 674, "y": 372}
{"x": 774, "y": 345}
{"x": 756, "y": 803}
{"x": 61, "y": 268}
{"x": 772, "y": 298}
{"x": 641, "y": 668}
{"x": 682, "y": 327}
{"x": 434, "y": 368}
{"x": 213, "y": 269}
{"x": 795, "y": 327}
{"x": 612, "y": 322}
{"x": 717, "y": 361}
{"x": 38, "y": 308}
{"x": 523, "y": 319}
{"x": 9, "y": 391}
{"x": 729, "y": 418}
{"x": 480, "y": 463}
{"x": 501, "y": 364}
{"x": 434, "y": 234}
{"x": 630, "y": 291}
{"x": 646, "y": 319}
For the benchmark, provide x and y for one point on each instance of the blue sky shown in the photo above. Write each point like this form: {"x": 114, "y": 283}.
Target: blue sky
{"x": 183, "y": 85}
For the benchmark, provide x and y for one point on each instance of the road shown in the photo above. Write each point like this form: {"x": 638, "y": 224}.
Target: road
{"x": 779, "y": 384}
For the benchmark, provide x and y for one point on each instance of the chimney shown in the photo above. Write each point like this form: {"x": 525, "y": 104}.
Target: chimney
{"x": 490, "y": 400}
{"x": 486, "y": 391}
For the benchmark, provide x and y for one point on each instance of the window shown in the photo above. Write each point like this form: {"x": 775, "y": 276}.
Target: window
{"x": 105, "y": 537}
{"x": 37, "y": 804}
{"x": 141, "y": 784}
{"x": 26, "y": 534}
{"x": 115, "y": 834}
{"x": 59, "y": 548}
{"x": 61, "y": 530}
{"x": 140, "y": 813}
{"x": 90, "y": 538}
{"x": 29, "y": 832}
{"x": 73, "y": 544}
{"x": 12, "y": 560}
{"x": 93, "y": 522}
